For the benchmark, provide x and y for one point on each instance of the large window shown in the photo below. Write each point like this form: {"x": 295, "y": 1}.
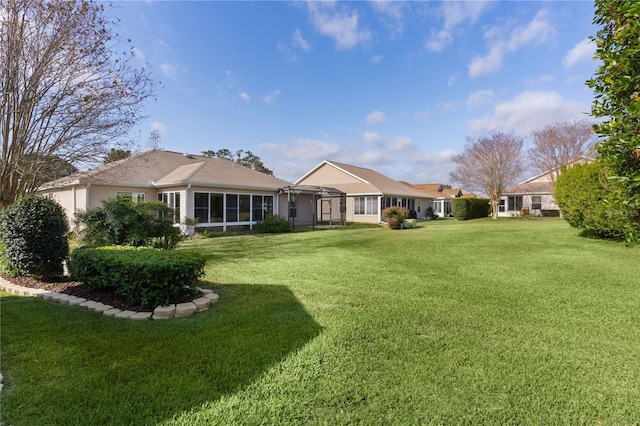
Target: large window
{"x": 515, "y": 203}
{"x": 262, "y": 206}
{"x": 366, "y": 205}
{"x": 211, "y": 207}
{"x": 172, "y": 199}
{"x": 232, "y": 207}
{"x": 131, "y": 196}
{"x": 536, "y": 202}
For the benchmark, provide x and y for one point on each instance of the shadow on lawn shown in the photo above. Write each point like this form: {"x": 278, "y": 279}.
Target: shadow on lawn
{"x": 103, "y": 370}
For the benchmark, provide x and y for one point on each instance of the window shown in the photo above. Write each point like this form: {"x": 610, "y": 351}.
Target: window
{"x": 216, "y": 202}
{"x": 172, "y": 199}
{"x": 201, "y": 206}
{"x": 536, "y": 202}
{"x": 515, "y": 203}
{"x": 365, "y": 205}
{"x": 131, "y": 196}
{"x": 211, "y": 207}
{"x": 232, "y": 207}
{"x": 262, "y": 206}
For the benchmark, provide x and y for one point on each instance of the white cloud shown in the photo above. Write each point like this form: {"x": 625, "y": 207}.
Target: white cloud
{"x": 271, "y": 97}
{"x": 376, "y": 117}
{"x": 582, "y": 51}
{"x": 370, "y": 137}
{"x": 400, "y": 143}
{"x": 339, "y": 24}
{"x": 423, "y": 116}
{"x": 457, "y": 13}
{"x": 438, "y": 40}
{"x": 390, "y": 13}
{"x": 454, "y": 14}
{"x": 169, "y": 70}
{"x": 538, "y": 31}
{"x": 311, "y": 149}
{"x": 376, "y": 59}
{"x": 452, "y": 80}
{"x": 479, "y": 98}
{"x": 529, "y": 111}
{"x": 298, "y": 41}
{"x": 245, "y": 96}
{"x": 158, "y": 126}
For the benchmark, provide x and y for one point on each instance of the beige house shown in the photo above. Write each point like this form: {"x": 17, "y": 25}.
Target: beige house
{"x": 442, "y": 195}
{"x": 534, "y": 195}
{"x": 220, "y": 194}
{"x": 367, "y": 192}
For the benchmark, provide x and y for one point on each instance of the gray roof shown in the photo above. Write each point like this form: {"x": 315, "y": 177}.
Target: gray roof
{"x": 370, "y": 182}
{"x": 159, "y": 168}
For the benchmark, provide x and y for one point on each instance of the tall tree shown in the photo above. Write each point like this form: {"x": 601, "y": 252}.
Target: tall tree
{"x": 245, "y": 158}
{"x": 64, "y": 88}
{"x": 616, "y": 84}
{"x": 115, "y": 155}
{"x": 559, "y": 144}
{"x": 490, "y": 163}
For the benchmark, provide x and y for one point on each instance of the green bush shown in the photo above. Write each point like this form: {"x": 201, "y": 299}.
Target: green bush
{"x": 121, "y": 222}
{"x": 142, "y": 275}
{"x": 470, "y": 208}
{"x": 34, "y": 234}
{"x": 587, "y": 203}
{"x": 394, "y": 216}
{"x": 272, "y": 224}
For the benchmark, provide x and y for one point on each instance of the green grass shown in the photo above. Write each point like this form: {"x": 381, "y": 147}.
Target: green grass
{"x": 490, "y": 322}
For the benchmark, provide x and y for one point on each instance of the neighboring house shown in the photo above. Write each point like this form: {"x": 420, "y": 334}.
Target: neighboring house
{"x": 442, "y": 195}
{"x": 534, "y": 195}
{"x": 367, "y": 192}
{"x": 221, "y": 194}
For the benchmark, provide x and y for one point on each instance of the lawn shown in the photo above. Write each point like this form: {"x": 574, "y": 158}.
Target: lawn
{"x": 493, "y": 322}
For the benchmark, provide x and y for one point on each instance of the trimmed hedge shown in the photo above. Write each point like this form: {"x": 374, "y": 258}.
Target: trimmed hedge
{"x": 34, "y": 233}
{"x": 470, "y": 208}
{"x": 143, "y": 276}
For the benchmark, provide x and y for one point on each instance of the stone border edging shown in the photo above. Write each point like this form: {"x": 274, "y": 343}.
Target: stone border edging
{"x": 179, "y": 310}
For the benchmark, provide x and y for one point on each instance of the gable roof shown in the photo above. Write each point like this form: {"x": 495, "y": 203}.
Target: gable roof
{"x": 438, "y": 190}
{"x": 159, "y": 168}
{"x": 543, "y": 182}
{"x": 355, "y": 180}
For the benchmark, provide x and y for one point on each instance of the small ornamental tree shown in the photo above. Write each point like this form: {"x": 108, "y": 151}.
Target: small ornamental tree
{"x": 616, "y": 86}
{"x": 122, "y": 222}
{"x": 34, "y": 233}
{"x": 394, "y": 216}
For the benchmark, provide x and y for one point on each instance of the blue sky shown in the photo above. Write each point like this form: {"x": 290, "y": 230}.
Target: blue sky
{"x": 392, "y": 86}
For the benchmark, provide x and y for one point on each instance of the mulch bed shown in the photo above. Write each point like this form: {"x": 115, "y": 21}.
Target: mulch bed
{"x": 78, "y": 289}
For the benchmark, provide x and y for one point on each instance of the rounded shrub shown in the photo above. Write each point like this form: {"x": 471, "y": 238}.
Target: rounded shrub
{"x": 395, "y": 215}
{"x": 588, "y": 203}
{"x": 34, "y": 233}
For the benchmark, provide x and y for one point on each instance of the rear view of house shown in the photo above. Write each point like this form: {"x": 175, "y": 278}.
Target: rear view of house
{"x": 220, "y": 194}
{"x": 367, "y": 191}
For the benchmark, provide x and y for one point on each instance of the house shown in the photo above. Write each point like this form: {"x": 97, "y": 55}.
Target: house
{"x": 368, "y": 192}
{"x": 442, "y": 195}
{"x": 534, "y": 195}
{"x": 220, "y": 194}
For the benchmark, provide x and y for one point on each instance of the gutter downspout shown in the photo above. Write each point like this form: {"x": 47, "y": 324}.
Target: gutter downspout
{"x": 183, "y": 214}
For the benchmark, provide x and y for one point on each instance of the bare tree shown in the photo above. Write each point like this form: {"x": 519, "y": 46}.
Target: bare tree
{"x": 490, "y": 163}
{"x": 65, "y": 90}
{"x": 559, "y": 144}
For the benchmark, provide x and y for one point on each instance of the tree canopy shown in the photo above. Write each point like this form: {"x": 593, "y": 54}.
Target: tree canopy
{"x": 616, "y": 86}
{"x": 245, "y": 158}
{"x": 68, "y": 87}
{"x": 490, "y": 163}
